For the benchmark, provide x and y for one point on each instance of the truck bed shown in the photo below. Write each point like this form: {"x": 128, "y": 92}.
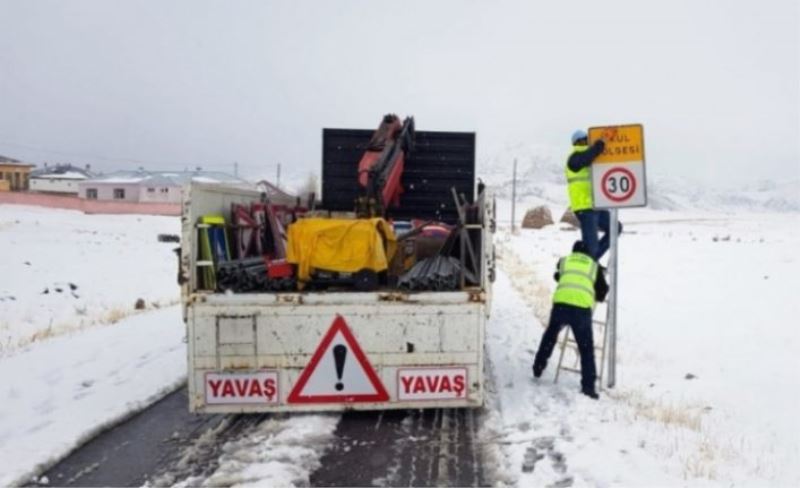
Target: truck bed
{"x": 328, "y": 350}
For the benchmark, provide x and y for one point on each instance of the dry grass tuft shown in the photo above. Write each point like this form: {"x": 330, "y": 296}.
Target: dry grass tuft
{"x": 670, "y": 415}
{"x": 85, "y": 318}
{"x": 114, "y": 315}
{"x": 42, "y": 334}
{"x": 701, "y": 465}
{"x": 526, "y": 282}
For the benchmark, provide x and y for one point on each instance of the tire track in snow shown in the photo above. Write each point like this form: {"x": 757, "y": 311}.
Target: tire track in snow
{"x": 404, "y": 448}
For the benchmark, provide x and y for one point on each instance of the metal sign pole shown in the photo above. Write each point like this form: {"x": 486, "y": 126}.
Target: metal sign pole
{"x": 611, "y": 316}
{"x": 618, "y": 181}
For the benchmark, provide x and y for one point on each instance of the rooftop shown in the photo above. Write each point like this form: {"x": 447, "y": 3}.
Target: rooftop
{"x": 16, "y": 162}
{"x": 166, "y": 178}
{"x": 67, "y": 175}
{"x": 63, "y": 172}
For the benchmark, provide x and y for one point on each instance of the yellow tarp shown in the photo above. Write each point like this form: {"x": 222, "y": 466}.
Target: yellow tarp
{"x": 340, "y": 245}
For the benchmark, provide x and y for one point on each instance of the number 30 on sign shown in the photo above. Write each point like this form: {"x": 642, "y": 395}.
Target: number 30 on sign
{"x": 618, "y": 175}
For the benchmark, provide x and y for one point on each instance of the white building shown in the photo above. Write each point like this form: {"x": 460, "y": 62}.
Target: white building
{"x": 59, "y": 179}
{"x": 148, "y": 186}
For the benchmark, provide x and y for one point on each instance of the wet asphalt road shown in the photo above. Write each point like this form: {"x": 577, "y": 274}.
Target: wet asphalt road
{"x": 391, "y": 448}
{"x": 131, "y": 452}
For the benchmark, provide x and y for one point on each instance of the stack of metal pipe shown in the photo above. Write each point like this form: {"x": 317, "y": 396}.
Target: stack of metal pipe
{"x": 438, "y": 273}
{"x": 250, "y": 275}
{"x": 242, "y": 275}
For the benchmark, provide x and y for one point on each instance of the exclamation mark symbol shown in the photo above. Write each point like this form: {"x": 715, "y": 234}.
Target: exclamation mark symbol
{"x": 339, "y": 355}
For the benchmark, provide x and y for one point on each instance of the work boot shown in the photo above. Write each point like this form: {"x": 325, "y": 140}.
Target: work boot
{"x": 537, "y": 371}
{"x": 591, "y": 393}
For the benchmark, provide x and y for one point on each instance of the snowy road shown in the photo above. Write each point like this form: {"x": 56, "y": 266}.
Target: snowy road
{"x": 165, "y": 445}
{"x": 405, "y": 448}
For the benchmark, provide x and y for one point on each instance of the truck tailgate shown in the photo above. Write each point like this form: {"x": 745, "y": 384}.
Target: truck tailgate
{"x": 335, "y": 351}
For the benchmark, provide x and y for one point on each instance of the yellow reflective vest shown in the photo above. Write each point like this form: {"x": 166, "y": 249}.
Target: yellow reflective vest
{"x": 577, "y": 274}
{"x": 579, "y": 185}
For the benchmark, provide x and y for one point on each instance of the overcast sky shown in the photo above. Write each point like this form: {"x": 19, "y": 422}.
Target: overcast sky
{"x": 173, "y": 84}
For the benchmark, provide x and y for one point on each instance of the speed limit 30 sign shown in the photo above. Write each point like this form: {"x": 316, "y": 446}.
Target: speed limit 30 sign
{"x": 618, "y": 176}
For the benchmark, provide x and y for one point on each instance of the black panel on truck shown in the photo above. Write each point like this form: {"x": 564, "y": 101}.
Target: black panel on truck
{"x": 440, "y": 160}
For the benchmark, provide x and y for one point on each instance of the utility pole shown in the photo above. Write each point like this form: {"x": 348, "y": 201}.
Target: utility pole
{"x": 278, "y": 182}
{"x": 514, "y": 197}
{"x": 236, "y": 169}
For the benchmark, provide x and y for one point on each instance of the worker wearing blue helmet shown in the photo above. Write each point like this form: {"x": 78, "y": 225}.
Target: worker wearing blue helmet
{"x": 579, "y": 187}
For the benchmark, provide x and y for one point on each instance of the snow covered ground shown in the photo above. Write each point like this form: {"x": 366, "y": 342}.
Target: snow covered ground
{"x": 64, "y": 378}
{"x": 707, "y": 349}
{"x": 59, "y": 392}
{"x": 64, "y": 271}
{"x": 707, "y": 343}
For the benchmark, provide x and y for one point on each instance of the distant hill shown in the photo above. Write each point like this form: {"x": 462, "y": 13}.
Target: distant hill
{"x": 540, "y": 174}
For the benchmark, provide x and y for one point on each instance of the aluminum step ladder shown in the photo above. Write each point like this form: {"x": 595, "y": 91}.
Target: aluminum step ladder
{"x": 599, "y": 328}
{"x": 567, "y": 341}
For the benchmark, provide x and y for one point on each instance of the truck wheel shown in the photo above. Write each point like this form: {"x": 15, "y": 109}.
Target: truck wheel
{"x": 365, "y": 280}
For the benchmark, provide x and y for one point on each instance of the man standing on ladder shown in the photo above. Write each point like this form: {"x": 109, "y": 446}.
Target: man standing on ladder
{"x": 580, "y": 282}
{"x": 579, "y": 187}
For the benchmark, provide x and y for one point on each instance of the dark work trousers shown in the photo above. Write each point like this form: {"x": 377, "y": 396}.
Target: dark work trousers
{"x": 593, "y": 221}
{"x": 580, "y": 319}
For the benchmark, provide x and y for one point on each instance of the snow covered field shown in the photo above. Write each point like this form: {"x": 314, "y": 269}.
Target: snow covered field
{"x": 707, "y": 356}
{"x": 64, "y": 271}
{"x": 59, "y": 392}
{"x": 63, "y": 378}
{"x": 707, "y": 344}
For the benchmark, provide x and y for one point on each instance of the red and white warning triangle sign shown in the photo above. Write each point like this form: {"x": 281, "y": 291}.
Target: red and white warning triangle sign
{"x": 338, "y": 372}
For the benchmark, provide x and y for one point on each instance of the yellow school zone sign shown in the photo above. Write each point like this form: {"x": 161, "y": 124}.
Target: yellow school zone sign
{"x": 618, "y": 176}
{"x": 624, "y": 143}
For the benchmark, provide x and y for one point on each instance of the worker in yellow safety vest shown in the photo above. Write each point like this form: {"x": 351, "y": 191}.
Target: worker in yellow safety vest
{"x": 581, "y": 282}
{"x": 579, "y": 188}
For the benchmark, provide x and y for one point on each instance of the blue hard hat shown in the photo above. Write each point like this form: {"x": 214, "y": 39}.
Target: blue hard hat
{"x": 578, "y": 135}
